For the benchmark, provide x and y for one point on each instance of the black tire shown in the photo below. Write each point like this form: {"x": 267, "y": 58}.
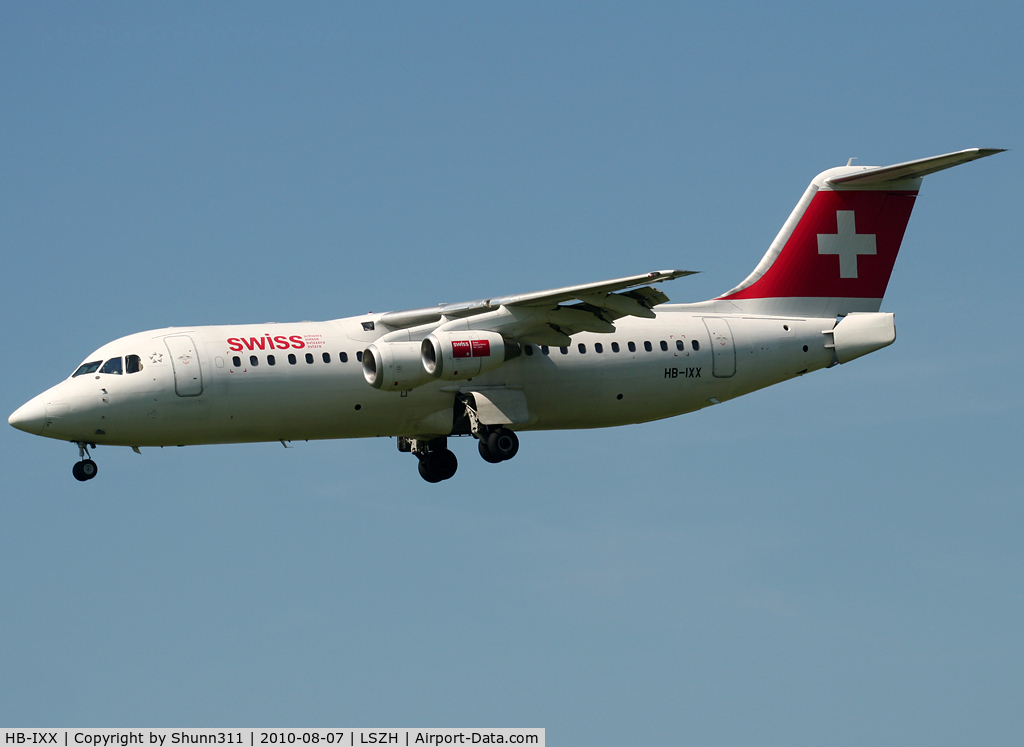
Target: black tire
{"x": 445, "y": 464}
{"x": 429, "y": 471}
{"x": 485, "y": 452}
{"x": 84, "y": 470}
{"x": 89, "y": 468}
{"x": 503, "y": 444}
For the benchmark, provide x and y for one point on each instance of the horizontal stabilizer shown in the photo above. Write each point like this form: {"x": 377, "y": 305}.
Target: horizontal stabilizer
{"x": 913, "y": 169}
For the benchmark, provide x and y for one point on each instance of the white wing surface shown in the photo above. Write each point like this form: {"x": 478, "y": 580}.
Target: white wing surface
{"x": 542, "y": 317}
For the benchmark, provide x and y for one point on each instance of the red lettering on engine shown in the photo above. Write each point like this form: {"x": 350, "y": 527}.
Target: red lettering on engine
{"x": 481, "y": 348}
{"x": 461, "y": 349}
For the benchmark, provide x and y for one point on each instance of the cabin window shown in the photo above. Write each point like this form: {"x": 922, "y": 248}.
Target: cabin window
{"x": 309, "y": 357}
{"x": 343, "y": 357}
{"x": 292, "y": 359}
{"x": 631, "y": 346}
{"x": 132, "y": 364}
{"x": 254, "y": 361}
{"x": 664, "y": 345}
{"x": 236, "y": 362}
{"x": 113, "y": 366}
{"x": 563, "y": 350}
{"x": 529, "y": 349}
{"x": 680, "y": 345}
{"x": 359, "y": 356}
{"x": 327, "y": 357}
{"x": 647, "y": 346}
{"x": 615, "y": 347}
{"x": 271, "y": 360}
{"x": 582, "y": 348}
{"x": 695, "y": 344}
{"x": 87, "y": 368}
{"x": 598, "y": 347}
{"x": 545, "y": 349}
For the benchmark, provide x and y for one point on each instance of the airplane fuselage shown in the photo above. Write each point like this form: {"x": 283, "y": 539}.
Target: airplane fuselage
{"x": 304, "y": 381}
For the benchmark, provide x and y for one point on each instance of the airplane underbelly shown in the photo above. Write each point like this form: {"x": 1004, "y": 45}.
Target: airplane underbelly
{"x": 257, "y": 413}
{"x": 625, "y": 391}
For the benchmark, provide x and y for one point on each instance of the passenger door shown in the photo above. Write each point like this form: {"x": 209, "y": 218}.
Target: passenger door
{"x": 723, "y": 350}
{"x": 188, "y": 375}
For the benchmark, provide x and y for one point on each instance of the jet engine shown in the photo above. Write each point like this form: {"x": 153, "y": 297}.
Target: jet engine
{"x": 455, "y": 356}
{"x": 394, "y": 366}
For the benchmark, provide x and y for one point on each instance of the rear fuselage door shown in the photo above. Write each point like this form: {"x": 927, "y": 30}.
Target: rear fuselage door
{"x": 723, "y": 350}
{"x": 188, "y": 376}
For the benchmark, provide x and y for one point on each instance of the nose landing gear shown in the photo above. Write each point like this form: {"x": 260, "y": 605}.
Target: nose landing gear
{"x": 86, "y": 468}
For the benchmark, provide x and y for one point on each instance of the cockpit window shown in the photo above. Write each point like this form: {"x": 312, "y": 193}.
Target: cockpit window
{"x": 132, "y": 364}
{"x": 113, "y": 366}
{"x": 87, "y": 368}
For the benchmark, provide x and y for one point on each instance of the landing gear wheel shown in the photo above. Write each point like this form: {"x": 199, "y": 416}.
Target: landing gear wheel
{"x": 84, "y": 470}
{"x": 447, "y": 464}
{"x": 503, "y": 444}
{"x": 428, "y": 471}
{"x": 485, "y": 452}
{"x": 438, "y": 466}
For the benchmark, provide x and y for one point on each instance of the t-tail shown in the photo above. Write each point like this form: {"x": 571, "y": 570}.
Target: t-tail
{"x": 836, "y": 252}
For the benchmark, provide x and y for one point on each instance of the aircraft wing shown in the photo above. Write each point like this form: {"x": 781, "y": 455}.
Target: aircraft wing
{"x": 597, "y": 305}
{"x": 588, "y": 290}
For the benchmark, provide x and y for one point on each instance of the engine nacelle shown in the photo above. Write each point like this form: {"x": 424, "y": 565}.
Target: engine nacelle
{"x": 394, "y": 366}
{"x": 456, "y": 356}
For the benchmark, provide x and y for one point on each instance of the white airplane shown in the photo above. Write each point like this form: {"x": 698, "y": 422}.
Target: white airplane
{"x": 585, "y": 356}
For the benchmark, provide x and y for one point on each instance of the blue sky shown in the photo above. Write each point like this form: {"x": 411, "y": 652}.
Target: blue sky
{"x": 835, "y": 560}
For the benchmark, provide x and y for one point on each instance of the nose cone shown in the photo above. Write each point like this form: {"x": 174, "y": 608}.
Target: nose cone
{"x": 30, "y": 417}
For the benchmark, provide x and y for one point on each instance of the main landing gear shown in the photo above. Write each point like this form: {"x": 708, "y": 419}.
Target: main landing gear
{"x": 498, "y": 445}
{"x": 495, "y": 442}
{"x": 86, "y": 468}
{"x": 437, "y": 463}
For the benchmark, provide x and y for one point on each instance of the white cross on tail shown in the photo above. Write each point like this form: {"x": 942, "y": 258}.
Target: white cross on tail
{"x": 847, "y": 243}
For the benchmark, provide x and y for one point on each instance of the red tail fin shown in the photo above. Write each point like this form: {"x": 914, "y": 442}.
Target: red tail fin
{"x": 836, "y": 252}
